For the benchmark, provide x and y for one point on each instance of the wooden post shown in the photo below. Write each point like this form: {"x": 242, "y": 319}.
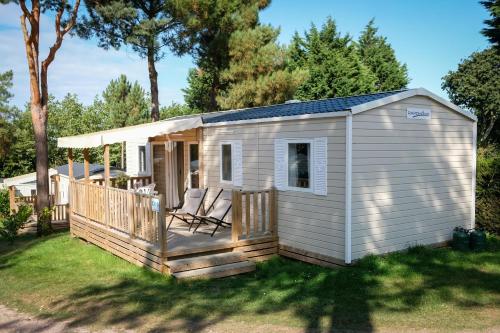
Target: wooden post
{"x": 130, "y": 213}
{"x": 106, "y": 185}
{"x": 273, "y": 212}
{"x": 106, "y": 165}
{"x": 236, "y": 227}
{"x": 86, "y": 165}
{"x": 70, "y": 164}
{"x": 12, "y": 198}
{"x": 162, "y": 231}
{"x": 57, "y": 180}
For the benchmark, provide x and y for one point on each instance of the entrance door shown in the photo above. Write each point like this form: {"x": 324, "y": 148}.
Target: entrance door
{"x": 159, "y": 170}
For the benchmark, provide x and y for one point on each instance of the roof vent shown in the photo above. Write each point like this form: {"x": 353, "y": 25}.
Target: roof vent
{"x": 290, "y": 101}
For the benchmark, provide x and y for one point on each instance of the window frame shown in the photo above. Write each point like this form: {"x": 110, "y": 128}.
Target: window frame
{"x": 141, "y": 161}
{"x": 309, "y": 189}
{"x": 190, "y": 143}
{"x": 222, "y": 180}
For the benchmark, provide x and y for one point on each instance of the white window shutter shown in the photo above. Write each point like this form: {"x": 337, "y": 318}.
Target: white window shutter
{"x": 237, "y": 162}
{"x": 280, "y": 164}
{"x": 320, "y": 166}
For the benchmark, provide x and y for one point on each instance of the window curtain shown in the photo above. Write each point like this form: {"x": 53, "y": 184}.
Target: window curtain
{"x": 293, "y": 165}
{"x": 171, "y": 194}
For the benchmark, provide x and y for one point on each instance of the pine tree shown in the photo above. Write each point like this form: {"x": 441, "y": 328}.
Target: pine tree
{"x": 124, "y": 103}
{"x": 197, "y": 93}
{"x": 378, "y": 55}
{"x": 205, "y": 30}
{"x": 492, "y": 30}
{"x": 332, "y": 61}
{"x": 257, "y": 73}
{"x": 146, "y": 26}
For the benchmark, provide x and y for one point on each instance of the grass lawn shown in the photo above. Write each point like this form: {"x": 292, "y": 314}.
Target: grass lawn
{"x": 435, "y": 289}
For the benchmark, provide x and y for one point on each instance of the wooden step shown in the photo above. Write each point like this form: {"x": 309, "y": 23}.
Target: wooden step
{"x": 217, "y": 271}
{"x": 204, "y": 261}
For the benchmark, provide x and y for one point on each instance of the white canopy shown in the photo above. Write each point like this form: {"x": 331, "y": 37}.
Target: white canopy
{"x": 131, "y": 133}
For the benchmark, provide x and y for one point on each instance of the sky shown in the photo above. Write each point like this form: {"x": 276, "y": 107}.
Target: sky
{"x": 430, "y": 36}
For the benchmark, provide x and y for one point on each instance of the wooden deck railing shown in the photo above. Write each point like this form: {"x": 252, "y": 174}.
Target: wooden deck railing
{"x": 132, "y": 182}
{"x": 121, "y": 210}
{"x": 253, "y": 214}
{"x": 60, "y": 213}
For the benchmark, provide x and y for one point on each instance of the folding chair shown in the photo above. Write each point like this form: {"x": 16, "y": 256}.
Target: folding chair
{"x": 193, "y": 199}
{"x": 221, "y": 206}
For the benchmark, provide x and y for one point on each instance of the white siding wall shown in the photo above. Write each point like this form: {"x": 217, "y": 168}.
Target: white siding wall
{"x": 305, "y": 220}
{"x": 411, "y": 180}
{"x": 132, "y": 156}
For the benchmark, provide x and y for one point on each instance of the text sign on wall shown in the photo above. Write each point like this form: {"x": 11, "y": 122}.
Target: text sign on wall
{"x": 419, "y": 114}
{"x": 155, "y": 205}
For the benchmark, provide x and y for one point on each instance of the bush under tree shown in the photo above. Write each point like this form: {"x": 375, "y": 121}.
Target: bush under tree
{"x": 10, "y": 224}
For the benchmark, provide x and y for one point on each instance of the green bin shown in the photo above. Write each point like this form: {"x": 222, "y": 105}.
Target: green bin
{"x": 477, "y": 240}
{"x": 460, "y": 239}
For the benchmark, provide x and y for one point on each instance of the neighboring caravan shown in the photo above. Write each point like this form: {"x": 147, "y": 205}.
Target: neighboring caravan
{"x": 25, "y": 185}
{"x": 356, "y": 175}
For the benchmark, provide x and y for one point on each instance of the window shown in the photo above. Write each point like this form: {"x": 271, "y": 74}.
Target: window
{"x": 142, "y": 158}
{"x": 194, "y": 172}
{"x": 226, "y": 163}
{"x": 299, "y": 165}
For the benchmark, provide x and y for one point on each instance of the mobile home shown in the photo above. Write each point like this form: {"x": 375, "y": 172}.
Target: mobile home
{"x": 354, "y": 175}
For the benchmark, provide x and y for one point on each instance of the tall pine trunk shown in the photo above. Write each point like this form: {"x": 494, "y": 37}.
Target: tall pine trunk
{"x": 153, "y": 80}
{"x": 39, "y": 119}
{"x": 39, "y": 91}
{"x": 214, "y": 90}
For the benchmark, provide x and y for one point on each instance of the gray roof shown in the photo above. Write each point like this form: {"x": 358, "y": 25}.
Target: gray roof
{"x": 297, "y": 108}
{"x": 79, "y": 170}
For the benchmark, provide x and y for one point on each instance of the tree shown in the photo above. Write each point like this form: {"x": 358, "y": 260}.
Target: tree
{"x": 147, "y": 26}
{"x": 333, "y": 63}
{"x": 197, "y": 93}
{"x": 378, "y": 55}
{"x": 7, "y": 114}
{"x": 492, "y": 30}
{"x": 64, "y": 21}
{"x": 204, "y": 32}
{"x": 257, "y": 73}
{"x": 176, "y": 110}
{"x": 124, "y": 103}
{"x": 475, "y": 85}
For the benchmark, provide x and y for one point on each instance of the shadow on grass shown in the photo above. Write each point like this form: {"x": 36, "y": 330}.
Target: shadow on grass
{"x": 316, "y": 298}
{"x": 22, "y": 243}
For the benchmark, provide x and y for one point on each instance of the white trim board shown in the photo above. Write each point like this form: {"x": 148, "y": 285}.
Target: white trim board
{"x": 473, "y": 190}
{"x": 348, "y": 189}
{"x": 407, "y": 94}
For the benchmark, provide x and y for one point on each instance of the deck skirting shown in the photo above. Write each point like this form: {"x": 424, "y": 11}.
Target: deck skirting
{"x": 117, "y": 243}
{"x": 145, "y": 255}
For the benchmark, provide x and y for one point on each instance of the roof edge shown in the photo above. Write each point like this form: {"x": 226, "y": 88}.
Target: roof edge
{"x": 282, "y": 118}
{"x": 410, "y": 93}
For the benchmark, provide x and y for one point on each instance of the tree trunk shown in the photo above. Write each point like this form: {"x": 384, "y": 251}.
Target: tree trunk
{"x": 214, "y": 90}
{"x": 39, "y": 119}
{"x": 153, "y": 79}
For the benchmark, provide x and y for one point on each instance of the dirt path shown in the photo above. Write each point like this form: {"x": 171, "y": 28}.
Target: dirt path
{"x": 13, "y": 321}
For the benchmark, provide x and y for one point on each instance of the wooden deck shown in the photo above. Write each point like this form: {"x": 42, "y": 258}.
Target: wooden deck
{"x": 179, "y": 238}
{"x": 133, "y": 227}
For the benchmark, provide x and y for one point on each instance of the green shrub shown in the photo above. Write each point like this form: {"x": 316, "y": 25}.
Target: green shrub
{"x": 10, "y": 225}
{"x": 4, "y": 203}
{"x": 44, "y": 226}
{"x": 488, "y": 189}
{"x": 122, "y": 180}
